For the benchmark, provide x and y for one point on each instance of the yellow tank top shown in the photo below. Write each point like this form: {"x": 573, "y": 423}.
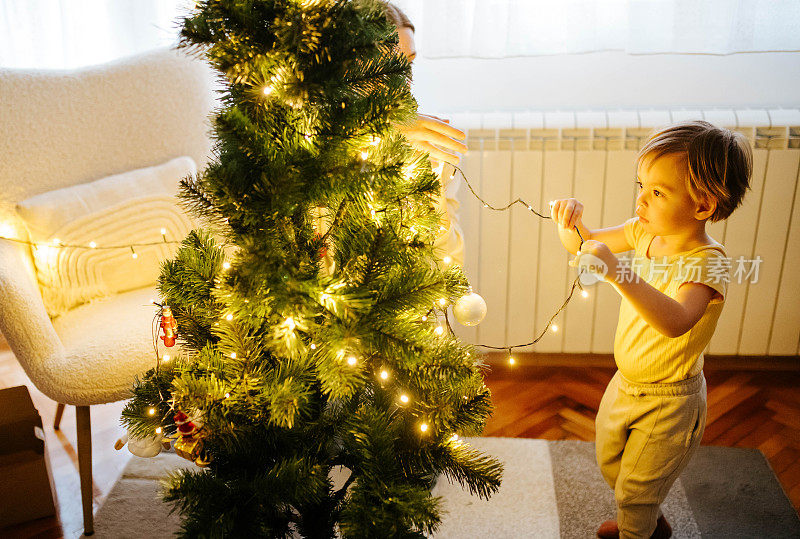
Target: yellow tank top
{"x": 642, "y": 353}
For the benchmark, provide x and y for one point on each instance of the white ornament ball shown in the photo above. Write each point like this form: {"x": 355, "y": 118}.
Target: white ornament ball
{"x": 470, "y": 310}
{"x": 145, "y": 447}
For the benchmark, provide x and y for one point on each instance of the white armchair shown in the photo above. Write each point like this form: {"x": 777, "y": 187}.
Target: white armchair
{"x": 62, "y": 128}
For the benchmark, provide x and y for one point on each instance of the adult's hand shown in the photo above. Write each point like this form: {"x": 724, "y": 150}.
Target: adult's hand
{"x": 435, "y": 136}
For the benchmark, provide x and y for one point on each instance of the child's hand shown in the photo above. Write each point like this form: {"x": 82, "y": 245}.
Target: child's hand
{"x": 601, "y": 251}
{"x": 566, "y": 212}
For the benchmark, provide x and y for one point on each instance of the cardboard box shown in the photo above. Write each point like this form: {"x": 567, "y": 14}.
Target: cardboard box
{"x": 26, "y": 479}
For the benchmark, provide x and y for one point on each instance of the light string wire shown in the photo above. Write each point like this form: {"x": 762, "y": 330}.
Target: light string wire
{"x": 575, "y": 283}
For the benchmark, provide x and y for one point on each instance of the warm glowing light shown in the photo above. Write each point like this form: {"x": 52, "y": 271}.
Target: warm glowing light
{"x": 554, "y": 327}
{"x": 351, "y": 360}
{"x": 56, "y": 241}
{"x": 448, "y": 259}
{"x": 291, "y": 323}
{"x": 584, "y": 293}
{"x": 229, "y": 317}
{"x": 424, "y": 318}
{"x": 313, "y": 346}
{"x": 7, "y": 231}
{"x": 163, "y": 231}
{"x": 439, "y": 330}
{"x": 233, "y": 355}
{"x": 375, "y": 141}
{"x": 364, "y": 155}
{"x": 267, "y": 90}
{"x": 384, "y": 374}
{"x": 92, "y": 244}
{"x": 226, "y": 265}
{"x": 454, "y": 437}
{"x": 158, "y": 430}
{"x": 511, "y": 360}
{"x": 151, "y": 411}
{"x": 443, "y": 302}
{"x": 423, "y": 427}
{"x": 404, "y": 398}
{"x": 166, "y": 357}
{"x": 227, "y": 395}
{"x": 485, "y": 205}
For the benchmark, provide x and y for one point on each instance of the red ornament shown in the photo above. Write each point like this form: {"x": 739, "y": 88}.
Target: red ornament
{"x": 323, "y": 252}
{"x": 169, "y": 325}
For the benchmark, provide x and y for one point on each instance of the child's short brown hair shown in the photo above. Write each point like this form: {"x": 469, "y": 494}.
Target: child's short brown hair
{"x": 719, "y": 162}
{"x": 397, "y": 16}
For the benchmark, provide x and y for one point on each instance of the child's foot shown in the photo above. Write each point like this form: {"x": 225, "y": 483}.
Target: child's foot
{"x": 610, "y": 530}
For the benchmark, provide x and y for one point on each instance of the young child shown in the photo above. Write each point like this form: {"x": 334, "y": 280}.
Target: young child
{"x": 653, "y": 413}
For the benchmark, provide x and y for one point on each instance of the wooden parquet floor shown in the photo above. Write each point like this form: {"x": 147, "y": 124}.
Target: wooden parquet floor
{"x": 755, "y": 409}
{"x": 759, "y": 409}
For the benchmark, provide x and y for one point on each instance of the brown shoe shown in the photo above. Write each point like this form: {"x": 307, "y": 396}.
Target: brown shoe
{"x": 663, "y": 529}
{"x": 610, "y": 530}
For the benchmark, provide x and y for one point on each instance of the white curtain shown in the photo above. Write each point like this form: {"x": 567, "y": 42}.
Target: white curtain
{"x": 510, "y": 28}
{"x": 65, "y": 34}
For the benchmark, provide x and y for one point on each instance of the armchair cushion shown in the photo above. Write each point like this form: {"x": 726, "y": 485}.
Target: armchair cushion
{"x": 106, "y": 344}
{"x": 110, "y": 213}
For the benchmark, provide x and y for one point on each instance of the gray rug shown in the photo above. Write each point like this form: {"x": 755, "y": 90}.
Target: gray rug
{"x": 550, "y": 490}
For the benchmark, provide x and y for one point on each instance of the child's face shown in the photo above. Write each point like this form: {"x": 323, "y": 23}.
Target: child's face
{"x": 663, "y": 204}
{"x": 407, "y": 45}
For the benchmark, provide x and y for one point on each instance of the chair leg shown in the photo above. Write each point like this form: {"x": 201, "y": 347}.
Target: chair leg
{"x": 85, "y": 466}
{"x": 59, "y": 413}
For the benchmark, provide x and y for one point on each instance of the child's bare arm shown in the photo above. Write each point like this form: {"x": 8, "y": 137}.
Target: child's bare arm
{"x": 671, "y": 317}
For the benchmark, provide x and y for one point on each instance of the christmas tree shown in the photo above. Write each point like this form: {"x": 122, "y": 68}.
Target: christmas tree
{"x": 308, "y": 307}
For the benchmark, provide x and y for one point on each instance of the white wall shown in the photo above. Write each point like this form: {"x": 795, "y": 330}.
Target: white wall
{"x": 608, "y": 80}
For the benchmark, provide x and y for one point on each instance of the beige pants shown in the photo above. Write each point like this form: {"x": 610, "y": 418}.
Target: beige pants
{"x": 646, "y": 434}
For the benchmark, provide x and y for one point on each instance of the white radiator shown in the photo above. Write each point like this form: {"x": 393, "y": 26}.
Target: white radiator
{"x": 516, "y": 262}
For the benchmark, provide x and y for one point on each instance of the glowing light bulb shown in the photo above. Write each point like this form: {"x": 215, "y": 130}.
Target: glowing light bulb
{"x": 233, "y": 355}
{"x": 554, "y": 328}
{"x": 448, "y": 259}
{"x": 158, "y": 430}
{"x": 424, "y": 318}
{"x": 267, "y": 90}
{"x": 151, "y": 411}
{"x": 351, "y": 360}
{"x": 166, "y": 357}
{"x": 439, "y": 330}
{"x": 92, "y": 244}
{"x": 423, "y": 427}
{"x": 226, "y": 265}
{"x": 443, "y": 302}
{"x": 7, "y": 231}
{"x": 485, "y": 205}
{"x": 163, "y": 231}
{"x": 291, "y": 323}
{"x": 313, "y": 346}
{"x": 227, "y": 395}
{"x": 384, "y": 374}
{"x": 511, "y": 360}
{"x": 56, "y": 241}
{"x": 584, "y": 293}
{"x": 135, "y": 256}
{"x": 229, "y": 317}
{"x": 404, "y": 398}
{"x": 364, "y": 155}
{"x": 454, "y": 437}
{"x": 375, "y": 141}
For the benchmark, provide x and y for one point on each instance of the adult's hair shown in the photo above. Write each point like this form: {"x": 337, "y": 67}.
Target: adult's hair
{"x": 719, "y": 162}
{"x": 397, "y": 16}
